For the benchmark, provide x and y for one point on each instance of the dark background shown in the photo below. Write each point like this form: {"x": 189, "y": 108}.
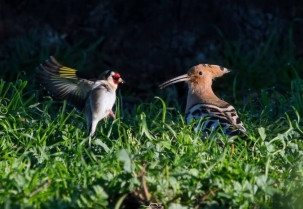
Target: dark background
{"x": 149, "y": 42}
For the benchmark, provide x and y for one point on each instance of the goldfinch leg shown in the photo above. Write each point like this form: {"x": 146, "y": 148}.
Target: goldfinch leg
{"x": 110, "y": 112}
{"x": 90, "y": 141}
{"x": 92, "y": 131}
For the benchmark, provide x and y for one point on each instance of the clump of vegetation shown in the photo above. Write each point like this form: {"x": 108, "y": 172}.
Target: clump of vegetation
{"x": 45, "y": 161}
{"x": 148, "y": 154}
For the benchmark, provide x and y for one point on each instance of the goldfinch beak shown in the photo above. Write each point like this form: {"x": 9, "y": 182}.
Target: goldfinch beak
{"x": 120, "y": 80}
{"x": 178, "y": 79}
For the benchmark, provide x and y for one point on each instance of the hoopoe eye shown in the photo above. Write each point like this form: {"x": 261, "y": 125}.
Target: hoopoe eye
{"x": 200, "y": 72}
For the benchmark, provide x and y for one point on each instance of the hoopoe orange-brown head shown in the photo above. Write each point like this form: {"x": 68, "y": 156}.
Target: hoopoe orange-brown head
{"x": 203, "y": 72}
{"x": 199, "y": 74}
{"x": 203, "y": 105}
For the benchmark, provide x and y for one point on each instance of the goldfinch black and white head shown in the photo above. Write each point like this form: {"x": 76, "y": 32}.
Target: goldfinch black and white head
{"x": 95, "y": 97}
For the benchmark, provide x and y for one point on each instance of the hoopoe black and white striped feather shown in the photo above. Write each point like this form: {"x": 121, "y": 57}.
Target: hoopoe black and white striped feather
{"x": 212, "y": 117}
{"x": 203, "y": 105}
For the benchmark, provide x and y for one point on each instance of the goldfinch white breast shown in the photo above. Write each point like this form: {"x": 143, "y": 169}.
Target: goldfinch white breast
{"x": 95, "y": 97}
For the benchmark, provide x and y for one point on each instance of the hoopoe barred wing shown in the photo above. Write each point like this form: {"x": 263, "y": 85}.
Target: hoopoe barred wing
{"x": 212, "y": 117}
{"x": 63, "y": 83}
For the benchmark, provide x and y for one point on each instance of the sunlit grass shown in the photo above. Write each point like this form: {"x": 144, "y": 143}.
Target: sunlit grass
{"x": 45, "y": 161}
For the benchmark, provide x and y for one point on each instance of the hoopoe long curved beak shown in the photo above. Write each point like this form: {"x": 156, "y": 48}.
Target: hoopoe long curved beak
{"x": 178, "y": 79}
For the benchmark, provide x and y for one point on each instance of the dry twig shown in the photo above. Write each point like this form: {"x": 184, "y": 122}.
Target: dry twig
{"x": 40, "y": 188}
{"x": 144, "y": 186}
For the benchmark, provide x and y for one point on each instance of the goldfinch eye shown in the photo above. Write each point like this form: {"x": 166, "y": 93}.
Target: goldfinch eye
{"x": 200, "y": 73}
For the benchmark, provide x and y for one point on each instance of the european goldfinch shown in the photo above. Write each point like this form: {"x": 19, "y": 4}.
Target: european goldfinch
{"x": 95, "y": 97}
{"x": 203, "y": 105}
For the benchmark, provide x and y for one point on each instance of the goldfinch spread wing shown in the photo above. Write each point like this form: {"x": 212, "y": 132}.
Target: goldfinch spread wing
{"x": 63, "y": 83}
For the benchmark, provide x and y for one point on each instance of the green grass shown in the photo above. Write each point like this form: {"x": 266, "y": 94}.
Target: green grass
{"x": 45, "y": 161}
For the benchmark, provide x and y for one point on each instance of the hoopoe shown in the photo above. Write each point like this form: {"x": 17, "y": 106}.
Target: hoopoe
{"x": 95, "y": 97}
{"x": 203, "y": 105}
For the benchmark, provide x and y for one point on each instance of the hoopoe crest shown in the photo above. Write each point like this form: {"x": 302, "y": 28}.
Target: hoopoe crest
{"x": 202, "y": 103}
